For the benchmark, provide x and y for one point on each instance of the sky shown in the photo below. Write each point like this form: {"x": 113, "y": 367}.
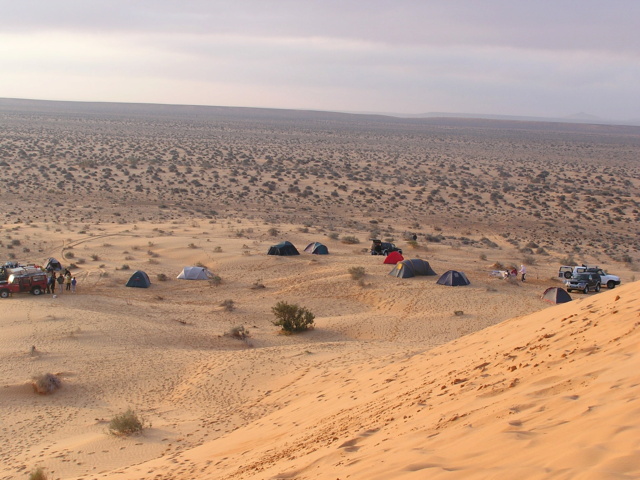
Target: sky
{"x": 544, "y": 58}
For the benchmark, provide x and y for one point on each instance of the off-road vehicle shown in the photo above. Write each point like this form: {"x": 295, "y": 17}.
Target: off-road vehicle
{"x": 379, "y": 247}
{"x": 584, "y": 282}
{"x": 24, "y": 281}
{"x": 567, "y": 271}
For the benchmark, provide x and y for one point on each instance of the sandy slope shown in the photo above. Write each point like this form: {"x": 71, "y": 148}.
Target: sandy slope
{"x": 549, "y": 395}
{"x": 363, "y": 395}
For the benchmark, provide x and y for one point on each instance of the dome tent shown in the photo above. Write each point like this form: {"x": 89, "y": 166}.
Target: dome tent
{"x": 317, "y": 248}
{"x": 283, "y": 248}
{"x": 139, "y": 279}
{"x": 453, "y": 278}
{"x": 393, "y": 258}
{"x": 556, "y": 295}
{"x": 412, "y": 268}
{"x": 195, "y": 273}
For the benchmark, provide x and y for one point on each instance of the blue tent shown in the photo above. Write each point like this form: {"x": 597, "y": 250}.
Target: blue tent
{"x": 317, "y": 248}
{"x": 453, "y": 279}
{"x": 139, "y": 279}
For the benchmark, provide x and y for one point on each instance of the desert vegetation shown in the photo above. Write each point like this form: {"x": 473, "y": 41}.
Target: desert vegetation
{"x": 532, "y": 181}
{"x": 126, "y": 423}
{"x": 292, "y": 318}
{"x": 46, "y": 383}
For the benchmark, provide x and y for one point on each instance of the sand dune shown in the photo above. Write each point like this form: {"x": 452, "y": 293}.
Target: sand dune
{"x": 389, "y": 384}
{"x": 552, "y": 394}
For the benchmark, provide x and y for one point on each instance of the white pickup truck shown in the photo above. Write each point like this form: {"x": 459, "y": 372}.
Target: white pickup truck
{"x": 568, "y": 271}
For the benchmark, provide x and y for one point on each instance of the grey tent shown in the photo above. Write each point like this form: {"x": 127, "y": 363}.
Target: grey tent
{"x": 195, "y": 273}
{"x": 556, "y": 295}
{"x": 52, "y": 265}
{"x": 139, "y": 279}
{"x": 452, "y": 278}
{"x": 317, "y": 248}
{"x": 283, "y": 248}
{"x": 412, "y": 268}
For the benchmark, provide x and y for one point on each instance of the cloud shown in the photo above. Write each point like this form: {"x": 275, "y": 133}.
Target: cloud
{"x": 495, "y": 56}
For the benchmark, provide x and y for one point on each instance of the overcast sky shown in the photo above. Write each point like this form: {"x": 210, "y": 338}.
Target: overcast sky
{"x": 548, "y": 58}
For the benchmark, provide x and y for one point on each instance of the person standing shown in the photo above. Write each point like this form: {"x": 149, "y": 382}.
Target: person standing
{"x": 73, "y": 285}
{"x": 523, "y": 271}
{"x": 67, "y": 281}
{"x": 60, "y": 281}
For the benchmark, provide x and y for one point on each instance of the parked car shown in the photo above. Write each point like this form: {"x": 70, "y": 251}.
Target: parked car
{"x": 379, "y": 247}
{"x": 584, "y": 282}
{"x": 36, "y": 283}
{"x": 567, "y": 271}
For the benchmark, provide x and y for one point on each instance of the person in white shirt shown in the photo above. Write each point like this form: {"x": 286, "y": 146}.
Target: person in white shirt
{"x": 523, "y": 271}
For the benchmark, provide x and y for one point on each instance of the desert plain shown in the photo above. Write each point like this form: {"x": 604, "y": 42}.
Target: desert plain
{"x": 399, "y": 378}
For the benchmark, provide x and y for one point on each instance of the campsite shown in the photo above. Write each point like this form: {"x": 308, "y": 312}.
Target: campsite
{"x": 399, "y": 376}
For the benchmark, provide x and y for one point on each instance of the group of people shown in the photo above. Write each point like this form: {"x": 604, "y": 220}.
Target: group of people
{"x": 513, "y": 272}
{"x": 64, "y": 280}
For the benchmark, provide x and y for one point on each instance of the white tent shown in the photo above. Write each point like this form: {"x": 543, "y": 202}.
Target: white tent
{"x": 195, "y": 273}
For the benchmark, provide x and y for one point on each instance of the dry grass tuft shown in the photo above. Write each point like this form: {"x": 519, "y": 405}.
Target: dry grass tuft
{"x": 127, "y": 423}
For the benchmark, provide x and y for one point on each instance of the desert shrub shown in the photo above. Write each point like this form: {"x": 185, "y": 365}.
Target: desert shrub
{"x": 333, "y": 235}
{"x": 529, "y": 260}
{"x": 257, "y": 285}
{"x": 483, "y": 256}
{"x": 38, "y": 474}
{"x": 228, "y": 305}
{"x": 356, "y": 272}
{"x": 350, "y": 240}
{"x": 238, "y": 332}
{"x": 126, "y": 423}
{"x": 192, "y": 245}
{"x": 413, "y": 244}
{"x": 162, "y": 277}
{"x": 218, "y": 249}
{"x": 291, "y": 317}
{"x": 273, "y": 231}
{"x": 46, "y": 383}
{"x": 69, "y": 255}
{"x": 125, "y": 267}
{"x": 497, "y": 266}
{"x": 568, "y": 260}
{"x": 433, "y": 238}
{"x": 215, "y": 280}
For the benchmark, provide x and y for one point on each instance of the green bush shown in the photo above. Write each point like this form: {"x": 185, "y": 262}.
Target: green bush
{"x": 291, "y": 317}
{"x": 126, "y": 423}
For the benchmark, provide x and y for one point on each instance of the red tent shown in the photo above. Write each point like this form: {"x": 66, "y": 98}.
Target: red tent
{"x": 393, "y": 258}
